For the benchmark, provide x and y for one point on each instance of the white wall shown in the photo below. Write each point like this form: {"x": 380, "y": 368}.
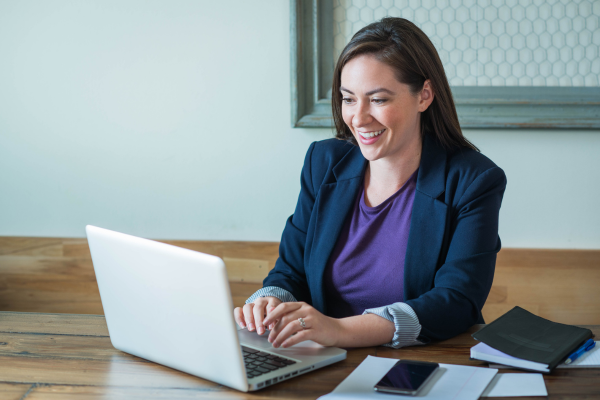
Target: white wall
{"x": 172, "y": 120}
{"x": 552, "y": 198}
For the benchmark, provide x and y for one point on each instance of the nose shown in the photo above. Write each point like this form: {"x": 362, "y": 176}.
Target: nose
{"x": 362, "y": 116}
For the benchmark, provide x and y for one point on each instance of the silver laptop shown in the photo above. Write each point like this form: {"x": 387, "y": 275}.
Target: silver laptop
{"x": 173, "y": 306}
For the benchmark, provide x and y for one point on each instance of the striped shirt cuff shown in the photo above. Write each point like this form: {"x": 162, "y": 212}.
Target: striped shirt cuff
{"x": 405, "y": 320}
{"x": 274, "y": 291}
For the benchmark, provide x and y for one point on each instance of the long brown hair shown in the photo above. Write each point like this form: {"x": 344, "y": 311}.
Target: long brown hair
{"x": 400, "y": 44}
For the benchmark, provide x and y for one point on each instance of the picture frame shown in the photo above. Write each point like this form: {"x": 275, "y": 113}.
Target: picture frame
{"x": 518, "y": 107}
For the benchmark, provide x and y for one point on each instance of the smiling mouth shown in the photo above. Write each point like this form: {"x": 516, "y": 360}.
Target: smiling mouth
{"x": 368, "y": 135}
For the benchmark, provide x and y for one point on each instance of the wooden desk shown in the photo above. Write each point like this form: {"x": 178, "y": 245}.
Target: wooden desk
{"x": 69, "y": 356}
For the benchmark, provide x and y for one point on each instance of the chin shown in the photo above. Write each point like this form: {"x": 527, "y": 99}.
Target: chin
{"x": 369, "y": 153}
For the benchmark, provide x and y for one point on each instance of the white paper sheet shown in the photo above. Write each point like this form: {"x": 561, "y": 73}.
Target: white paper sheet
{"x": 451, "y": 382}
{"x": 514, "y": 385}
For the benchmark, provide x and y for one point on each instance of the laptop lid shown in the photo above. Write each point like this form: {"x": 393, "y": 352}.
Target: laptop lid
{"x": 168, "y": 305}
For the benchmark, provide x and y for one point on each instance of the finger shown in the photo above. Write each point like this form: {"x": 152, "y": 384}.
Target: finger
{"x": 291, "y": 328}
{"x": 297, "y": 338}
{"x": 248, "y": 316}
{"x": 259, "y": 313}
{"x": 270, "y": 308}
{"x": 274, "y": 302}
{"x": 283, "y": 322}
{"x": 281, "y": 310}
{"x": 239, "y": 317}
{"x": 276, "y": 327}
{"x": 272, "y": 305}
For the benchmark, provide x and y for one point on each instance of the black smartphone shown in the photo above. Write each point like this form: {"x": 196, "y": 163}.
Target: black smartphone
{"x": 407, "y": 377}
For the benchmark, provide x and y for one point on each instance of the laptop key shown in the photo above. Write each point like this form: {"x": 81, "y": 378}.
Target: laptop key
{"x": 259, "y": 358}
{"x": 269, "y": 367}
{"x": 249, "y": 350}
{"x": 261, "y": 369}
{"x": 256, "y": 373}
{"x": 275, "y": 363}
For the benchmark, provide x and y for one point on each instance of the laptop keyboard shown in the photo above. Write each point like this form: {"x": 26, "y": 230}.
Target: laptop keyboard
{"x": 258, "y": 362}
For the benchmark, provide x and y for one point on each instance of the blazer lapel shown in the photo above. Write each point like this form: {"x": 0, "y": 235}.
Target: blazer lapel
{"x": 333, "y": 204}
{"x": 428, "y": 221}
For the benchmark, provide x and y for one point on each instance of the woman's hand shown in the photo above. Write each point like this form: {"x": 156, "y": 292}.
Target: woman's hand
{"x": 253, "y": 314}
{"x": 321, "y": 329}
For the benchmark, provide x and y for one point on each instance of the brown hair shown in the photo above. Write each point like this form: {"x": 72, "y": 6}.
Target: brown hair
{"x": 400, "y": 44}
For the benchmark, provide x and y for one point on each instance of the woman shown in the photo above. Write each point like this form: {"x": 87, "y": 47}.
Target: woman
{"x": 395, "y": 234}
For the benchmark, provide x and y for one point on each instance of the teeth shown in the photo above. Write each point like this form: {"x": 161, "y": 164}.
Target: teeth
{"x": 368, "y": 135}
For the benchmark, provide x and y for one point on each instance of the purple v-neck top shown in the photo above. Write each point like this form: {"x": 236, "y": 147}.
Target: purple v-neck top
{"x": 366, "y": 267}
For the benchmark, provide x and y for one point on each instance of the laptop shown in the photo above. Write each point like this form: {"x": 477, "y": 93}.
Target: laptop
{"x": 173, "y": 306}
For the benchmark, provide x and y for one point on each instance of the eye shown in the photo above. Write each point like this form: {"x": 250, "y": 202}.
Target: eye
{"x": 379, "y": 101}
{"x": 346, "y": 100}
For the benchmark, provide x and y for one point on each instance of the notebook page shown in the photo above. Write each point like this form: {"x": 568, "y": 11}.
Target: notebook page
{"x": 590, "y": 359}
{"x": 587, "y": 359}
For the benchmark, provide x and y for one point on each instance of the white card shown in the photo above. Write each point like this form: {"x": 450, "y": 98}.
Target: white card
{"x": 515, "y": 385}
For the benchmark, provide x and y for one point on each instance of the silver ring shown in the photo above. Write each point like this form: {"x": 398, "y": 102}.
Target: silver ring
{"x": 302, "y": 323}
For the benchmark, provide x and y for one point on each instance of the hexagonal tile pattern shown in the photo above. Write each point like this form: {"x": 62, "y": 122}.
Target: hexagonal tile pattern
{"x": 494, "y": 42}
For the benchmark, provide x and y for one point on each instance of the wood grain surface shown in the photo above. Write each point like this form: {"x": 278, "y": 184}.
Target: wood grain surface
{"x": 56, "y": 275}
{"x": 62, "y": 356}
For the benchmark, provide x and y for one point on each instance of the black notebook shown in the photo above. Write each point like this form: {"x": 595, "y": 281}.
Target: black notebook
{"x": 526, "y": 336}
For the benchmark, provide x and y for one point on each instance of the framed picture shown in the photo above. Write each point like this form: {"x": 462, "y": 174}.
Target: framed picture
{"x": 532, "y": 66}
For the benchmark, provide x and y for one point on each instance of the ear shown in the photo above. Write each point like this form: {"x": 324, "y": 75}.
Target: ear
{"x": 426, "y": 96}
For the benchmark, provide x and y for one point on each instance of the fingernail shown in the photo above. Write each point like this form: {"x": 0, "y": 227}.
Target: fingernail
{"x": 251, "y": 326}
{"x": 242, "y": 325}
{"x": 275, "y": 344}
{"x": 260, "y": 330}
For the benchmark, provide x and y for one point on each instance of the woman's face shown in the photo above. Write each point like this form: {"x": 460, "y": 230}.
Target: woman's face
{"x": 380, "y": 111}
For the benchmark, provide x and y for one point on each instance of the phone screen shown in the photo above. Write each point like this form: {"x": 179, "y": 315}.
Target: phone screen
{"x": 407, "y": 375}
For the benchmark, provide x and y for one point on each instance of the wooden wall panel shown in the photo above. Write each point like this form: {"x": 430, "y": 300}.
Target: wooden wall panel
{"x": 56, "y": 275}
{"x": 245, "y": 261}
{"x": 561, "y": 285}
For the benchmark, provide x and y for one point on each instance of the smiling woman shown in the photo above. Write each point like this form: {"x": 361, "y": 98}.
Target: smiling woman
{"x": 415, "y": 63}
{"x": 395, "y": 234}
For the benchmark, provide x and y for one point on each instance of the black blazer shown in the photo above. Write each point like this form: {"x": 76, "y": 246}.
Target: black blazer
{"x": 452, "y": 244}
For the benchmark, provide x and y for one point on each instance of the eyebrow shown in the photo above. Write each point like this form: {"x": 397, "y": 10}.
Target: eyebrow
{"x": 370, "y": 92}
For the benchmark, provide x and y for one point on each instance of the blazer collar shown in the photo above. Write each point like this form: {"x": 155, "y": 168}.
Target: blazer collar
{"x": 432, "y": 169}
{"x": 352, "y": 165}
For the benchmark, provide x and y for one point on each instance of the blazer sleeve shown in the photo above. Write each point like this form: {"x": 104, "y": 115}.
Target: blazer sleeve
{"x": 288, "y": 272}
{"x": 463, "y": 281}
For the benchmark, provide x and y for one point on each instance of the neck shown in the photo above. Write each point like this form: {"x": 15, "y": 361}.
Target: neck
{"x": 393, "y": 171}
